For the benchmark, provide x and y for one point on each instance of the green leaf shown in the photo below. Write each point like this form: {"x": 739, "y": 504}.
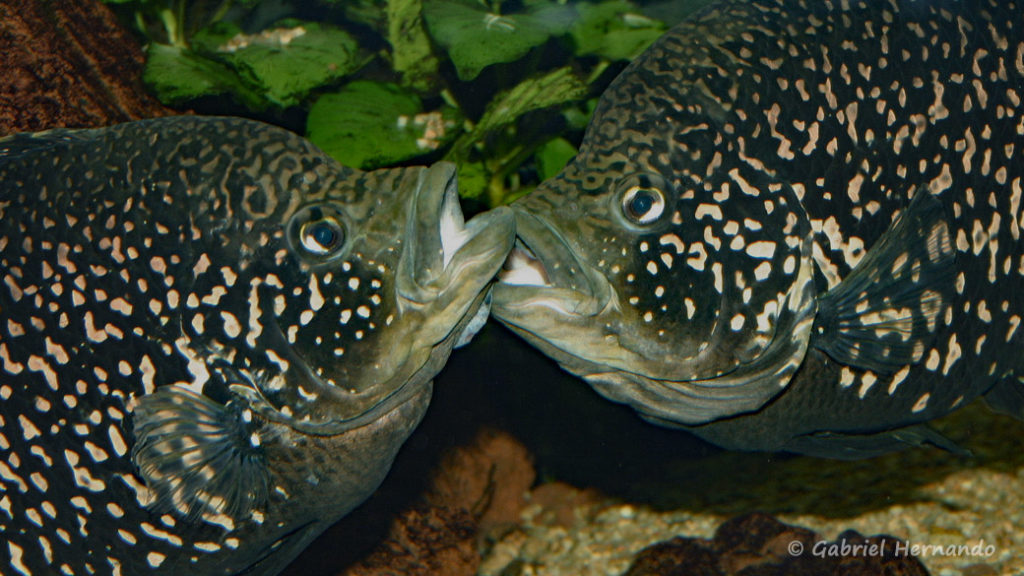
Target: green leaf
{"x": 614, "y": 30}
{"x": 371, "y": 124}
{"x": 473, "y": 179}
{"x": 552, "y": 156}
{"x": 177, "y": 75}
{"x": 208, "y": 39}
{"x": 411, "y": 53}
{"x": 552, "y": 89}
{"x": 578, "y": 117}
{"x": 286, "y": 64}
{"x": 371, "y": 13}
{"x": 476, "y": 38}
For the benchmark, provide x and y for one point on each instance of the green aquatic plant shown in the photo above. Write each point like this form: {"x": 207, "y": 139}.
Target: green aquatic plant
{"x": 493, "y": 85}
{"x": 172, "y": 21}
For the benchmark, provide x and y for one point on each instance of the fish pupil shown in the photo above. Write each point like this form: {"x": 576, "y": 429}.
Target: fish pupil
{"x": 321, "y": 237}
{"x": 641, "y": 204}
{"x": 324, "y": 235}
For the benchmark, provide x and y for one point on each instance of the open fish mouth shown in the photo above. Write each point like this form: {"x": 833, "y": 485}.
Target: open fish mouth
{"x": 443, "y": 247}
{"x": 523, "y": 268}
{"x": 544, "y": 270}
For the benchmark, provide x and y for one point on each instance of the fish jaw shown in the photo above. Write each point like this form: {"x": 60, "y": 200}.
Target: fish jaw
{"x": 544, "y": 270}
{"x": 551, "y": 296}
{"x": 445, "y": 269}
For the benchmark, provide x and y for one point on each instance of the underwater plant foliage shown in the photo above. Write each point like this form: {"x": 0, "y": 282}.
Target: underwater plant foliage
{"x": 503, "y": 88}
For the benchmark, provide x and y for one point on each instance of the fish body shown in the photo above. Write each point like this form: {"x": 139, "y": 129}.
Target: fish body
{"x": 793, "y": 226}
{"x": 214, "y": 339}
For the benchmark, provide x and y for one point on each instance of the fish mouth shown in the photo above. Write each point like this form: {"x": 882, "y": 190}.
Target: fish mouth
{"x": 523, "y": 268}
{"x": 449, "y": 262}
{"x": 442, "y": 244}
{"x": 544, "y": 270}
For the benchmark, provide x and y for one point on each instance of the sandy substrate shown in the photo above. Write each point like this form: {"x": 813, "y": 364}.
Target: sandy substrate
{"x": 960, "y": 512}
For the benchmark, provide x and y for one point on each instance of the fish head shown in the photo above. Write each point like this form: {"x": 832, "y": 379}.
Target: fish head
{"x": 666, "y": 280}
{"x": 317, "y": 302}
{"x": 367, "y": 282}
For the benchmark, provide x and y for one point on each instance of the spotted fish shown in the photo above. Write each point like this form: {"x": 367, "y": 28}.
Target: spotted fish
{"x": 793, "y": 225}
{"x": 214, "y": 339}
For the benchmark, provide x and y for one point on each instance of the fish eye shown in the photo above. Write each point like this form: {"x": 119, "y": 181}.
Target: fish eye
{"x": 317, "y": 231}
{"x": 643, "y": 201}
{"x": 320, "y": 237}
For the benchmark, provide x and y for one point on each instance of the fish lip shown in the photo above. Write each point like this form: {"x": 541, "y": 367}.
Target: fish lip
{"x": 436, "y": 231}
{"x": 545, "y": 270}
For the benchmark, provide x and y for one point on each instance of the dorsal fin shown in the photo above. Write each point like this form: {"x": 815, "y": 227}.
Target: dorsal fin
{"x": 19, "y": 145}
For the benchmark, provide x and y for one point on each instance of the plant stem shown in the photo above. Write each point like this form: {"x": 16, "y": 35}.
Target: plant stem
{"x": 181, "y": 22}
{"x": 140, "y": 22}
{"x": 171, "y": 27}
{"x": 495, "y": 191}
{"x": 221, "y": 11}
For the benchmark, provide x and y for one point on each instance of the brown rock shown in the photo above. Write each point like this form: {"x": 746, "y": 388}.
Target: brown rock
{"x": 68, "y": 63}
{"x": 559, "y": 502}
{"x": 475, "y": 489}
{"x": 757, "y": 539}
{"x": 425, "y": 542}
{"x": 676, "y": 557}
{"x": 489, "y": 478}
{"x": 759, "y": 545}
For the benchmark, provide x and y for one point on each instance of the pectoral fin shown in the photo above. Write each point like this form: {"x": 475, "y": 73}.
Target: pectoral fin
{"x": 198, "y": 455}
{"x": 883, "y": 314}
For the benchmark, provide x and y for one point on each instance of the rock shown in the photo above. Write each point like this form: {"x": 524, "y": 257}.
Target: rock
{"x": 559, "y": 502}
{"x": 489, "y": 478}
{"x": 476, "y": 490}
{"x": 424, "y": 542}
{"x": 759, "y": 545}
{"x": 676, "y": 557}
{"x": 68, "y": 64}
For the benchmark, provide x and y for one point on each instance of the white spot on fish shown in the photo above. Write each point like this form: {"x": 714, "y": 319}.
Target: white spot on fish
{"x": 921, "y": 403}
{"x": 897, "y": 379}
{"x": 762, "y": 249}
{"x": 846, "y": 377}
{"x": 763, "y": 270}
{"x": 155, "y": 559}
{"x": 674, "y": 241}
{"x": 316, "y": 299}
{"x": 231, "y": 325}
{"x": 737, "y": 322}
